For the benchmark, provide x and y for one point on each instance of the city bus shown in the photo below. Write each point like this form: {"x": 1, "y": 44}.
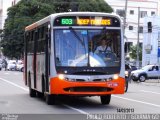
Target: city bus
{"x": 61, "y": 57}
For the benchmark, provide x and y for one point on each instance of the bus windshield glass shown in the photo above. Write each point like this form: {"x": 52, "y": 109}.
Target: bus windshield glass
{"x": 87, "y": 47}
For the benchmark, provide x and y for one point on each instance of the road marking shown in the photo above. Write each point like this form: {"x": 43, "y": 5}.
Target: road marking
{"x": 81, "y": 111}
{"x": 150, "y": 92}
{"x": 138, "y": 101}
{"x": 70, "y": 107}
{"x": 16, "y": 73}
{"x": 6, "y": 73}
{"x": 14, "y": 84}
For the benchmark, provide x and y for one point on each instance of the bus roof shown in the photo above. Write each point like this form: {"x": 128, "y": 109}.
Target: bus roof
{"x": 48, "y": 18}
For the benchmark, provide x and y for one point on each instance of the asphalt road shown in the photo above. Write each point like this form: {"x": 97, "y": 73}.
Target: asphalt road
{"x": 14, "y": 99}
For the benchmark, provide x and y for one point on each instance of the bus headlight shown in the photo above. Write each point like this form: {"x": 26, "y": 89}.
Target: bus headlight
{"x": 115, "y": 76}
{"x": 61, "y": 77}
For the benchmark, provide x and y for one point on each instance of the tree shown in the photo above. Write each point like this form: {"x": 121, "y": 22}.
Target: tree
{"x": 28, "y": 11}
{"x": 133, "y": 53}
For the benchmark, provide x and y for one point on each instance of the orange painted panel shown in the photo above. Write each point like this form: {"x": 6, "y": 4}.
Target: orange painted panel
{"x": 57, "y": 86}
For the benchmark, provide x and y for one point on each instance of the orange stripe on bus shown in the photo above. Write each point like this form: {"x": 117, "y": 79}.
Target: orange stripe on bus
{"x": 57, "y": 86}
{"x": 34, "y": 25}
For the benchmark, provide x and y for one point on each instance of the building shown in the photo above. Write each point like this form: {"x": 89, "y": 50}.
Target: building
{"x": 1, "y": 24}
{"x": 1, "y": 14}
{"x": 145, "y": 8}
{"x": 151, "y": 41}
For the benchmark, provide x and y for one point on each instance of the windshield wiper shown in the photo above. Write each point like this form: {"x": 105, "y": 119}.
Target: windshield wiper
{"x": 76, "y": 35}
{"x": 81, "y": 41}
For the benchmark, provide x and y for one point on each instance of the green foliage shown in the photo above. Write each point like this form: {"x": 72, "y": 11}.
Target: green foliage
{"x": 133, "y": 53}
{"x": 28, "y": 11}
{"x": 94, "y": 6}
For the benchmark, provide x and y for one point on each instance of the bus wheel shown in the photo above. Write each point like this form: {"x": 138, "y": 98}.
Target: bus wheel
{"x": 105, "y": 100}
{"x": 50, "y": 99}
{"x": 40, "y": 95}
{"x": 32, "y": 92}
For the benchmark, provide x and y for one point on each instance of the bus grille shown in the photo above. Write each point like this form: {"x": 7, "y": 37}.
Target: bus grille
{"x": 93, "y": 80}
{"x": 88, "y": 89}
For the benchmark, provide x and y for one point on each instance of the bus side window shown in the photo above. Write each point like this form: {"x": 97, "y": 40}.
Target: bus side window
{"x": 38, "y": 41}
{"x": 42, "y": 32}
{"x": 30, "y": 42}
{"x": 27, "y": 42}
{"x": 41, "y": 39}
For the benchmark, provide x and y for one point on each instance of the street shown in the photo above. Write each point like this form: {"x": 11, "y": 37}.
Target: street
{"x": 70, "y": 49}
{"x": 14, "y": 99}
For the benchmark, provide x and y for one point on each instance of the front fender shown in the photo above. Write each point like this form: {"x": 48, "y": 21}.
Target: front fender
{"x": 144, "y": 73}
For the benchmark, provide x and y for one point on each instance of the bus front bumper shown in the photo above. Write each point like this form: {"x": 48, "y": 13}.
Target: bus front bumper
{"x": 63, "y": 87}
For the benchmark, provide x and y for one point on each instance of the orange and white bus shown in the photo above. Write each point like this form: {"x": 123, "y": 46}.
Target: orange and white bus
{"x": 61, "y": 56}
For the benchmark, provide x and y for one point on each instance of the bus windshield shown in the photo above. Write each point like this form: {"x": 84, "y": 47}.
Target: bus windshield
{"x": 87, "y": 47}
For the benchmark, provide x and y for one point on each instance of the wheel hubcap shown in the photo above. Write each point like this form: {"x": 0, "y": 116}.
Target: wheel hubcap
{"x": 142, "y": 78}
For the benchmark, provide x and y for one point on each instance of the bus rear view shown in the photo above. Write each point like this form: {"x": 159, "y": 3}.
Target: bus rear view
{"x": 83, "y": 57}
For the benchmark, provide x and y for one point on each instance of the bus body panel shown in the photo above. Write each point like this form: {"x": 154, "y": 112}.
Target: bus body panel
{"x": 53, "y": 16}
{"x": 40, "y": 70}
{"x": 57, "y": 86}
{"x": 30, "y": 69}
{"x": 53, "y": 72}
{"x": 122, "y": 73}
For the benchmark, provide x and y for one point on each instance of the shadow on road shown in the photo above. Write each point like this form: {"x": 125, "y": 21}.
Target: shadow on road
{"x": 84, "y": 103}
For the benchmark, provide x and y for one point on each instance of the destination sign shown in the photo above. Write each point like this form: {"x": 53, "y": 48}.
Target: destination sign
{"x": 86, "y": 21}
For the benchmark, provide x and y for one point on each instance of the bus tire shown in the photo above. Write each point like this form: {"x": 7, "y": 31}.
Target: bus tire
{"x": 32, "y": 92}
{"x": 105, "y": 100}
{"x": 40, "y": 94}
{"x": 50, "y": 99}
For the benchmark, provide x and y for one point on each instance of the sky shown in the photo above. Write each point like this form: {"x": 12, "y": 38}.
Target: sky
{"x": 6, "y": 5}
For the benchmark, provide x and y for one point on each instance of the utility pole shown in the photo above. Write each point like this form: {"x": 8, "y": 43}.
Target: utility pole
{"x": 74, "y": 6}
{"x": 124, "y": 23}
{"x": 124, "y": 20}
{"x": 137, "y": 62}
